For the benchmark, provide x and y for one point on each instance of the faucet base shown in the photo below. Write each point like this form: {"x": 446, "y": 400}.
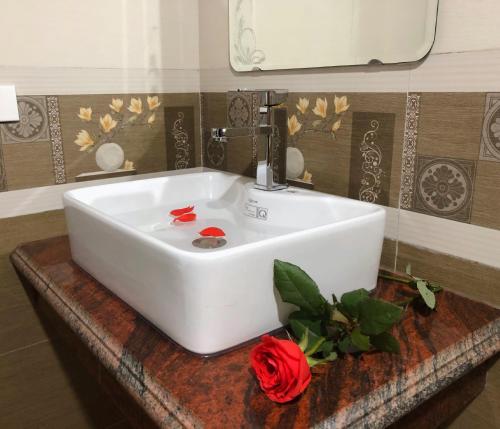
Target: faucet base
{"x": 274, "y": 187}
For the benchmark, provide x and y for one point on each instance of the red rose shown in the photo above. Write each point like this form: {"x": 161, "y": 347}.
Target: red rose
{"x": 281, "y": 367}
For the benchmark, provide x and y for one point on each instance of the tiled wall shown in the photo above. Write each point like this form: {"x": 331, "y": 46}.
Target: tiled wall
{"x": 436, "y": 154}
{"x": 40, "y": 149}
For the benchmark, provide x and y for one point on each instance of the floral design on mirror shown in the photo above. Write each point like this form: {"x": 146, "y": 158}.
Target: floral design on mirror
{"x": 245, "y": 46}
{"x": 319, "y": 119}
{"x": 105, "y": 131}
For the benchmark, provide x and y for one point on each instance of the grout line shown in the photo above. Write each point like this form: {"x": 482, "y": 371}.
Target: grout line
{"x": 23, "y": 348}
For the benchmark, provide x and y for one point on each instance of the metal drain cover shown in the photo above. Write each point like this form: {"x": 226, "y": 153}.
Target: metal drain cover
{"x": 209, "y": 242}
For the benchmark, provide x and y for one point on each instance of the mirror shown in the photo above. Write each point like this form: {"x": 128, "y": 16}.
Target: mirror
{"x": 289, "y": 34}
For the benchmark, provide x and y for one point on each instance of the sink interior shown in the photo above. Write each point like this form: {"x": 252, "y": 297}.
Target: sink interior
{"x": 222, "y": 200}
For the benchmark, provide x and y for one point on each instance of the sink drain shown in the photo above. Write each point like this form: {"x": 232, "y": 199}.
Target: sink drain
{"x": 209, "y": 242}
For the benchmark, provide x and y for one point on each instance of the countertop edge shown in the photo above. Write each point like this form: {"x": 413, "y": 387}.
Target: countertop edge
{"x": 165, "y": 411}
{"x": 404, "y": 394}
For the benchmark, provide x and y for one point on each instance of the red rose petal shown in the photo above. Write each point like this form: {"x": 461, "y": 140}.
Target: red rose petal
{"x": 212, "y": 231}
{"x": 180, "y": 212}
{"x": 188, "y": 217}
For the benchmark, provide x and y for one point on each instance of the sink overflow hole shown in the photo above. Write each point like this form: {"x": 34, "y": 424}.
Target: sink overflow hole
{"x": 209, "y": 242}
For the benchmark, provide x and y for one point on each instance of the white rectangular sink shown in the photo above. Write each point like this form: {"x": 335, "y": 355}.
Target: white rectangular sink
{"x": 209, "y": 300}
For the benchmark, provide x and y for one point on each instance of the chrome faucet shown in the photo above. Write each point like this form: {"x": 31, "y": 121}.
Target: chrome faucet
{"x": 268, "y": 99}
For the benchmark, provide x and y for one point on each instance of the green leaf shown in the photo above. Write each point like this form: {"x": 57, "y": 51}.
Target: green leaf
{"x": 385, "y": 342}
{"x": 345, "y": 345}
{"x": 360, "y": 341}
{"x": 296, "y": 287}
{"x": 338, "y": 316}
{"x": 427, "y": 295}
{"x": 350, "y": 301}
{"x": 326, "y": 348}
{"x": 408, "y": 269}
{"x": 314, "y": 347}
{"x": 300, "y": 320}
{"x": 377, "y": 316}
{"x": 304, "y": 340}
{"x": 312, "y": 362}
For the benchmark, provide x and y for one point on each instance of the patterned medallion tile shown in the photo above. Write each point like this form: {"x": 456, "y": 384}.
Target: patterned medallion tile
{"x": 243, "y": 111}
{"x": 490, "y": 137}
{"x": 33, "y": 124}
{"x": 179, "y": 122}
{"x": 444, "y": 187}
{"x": 372, "y": 142}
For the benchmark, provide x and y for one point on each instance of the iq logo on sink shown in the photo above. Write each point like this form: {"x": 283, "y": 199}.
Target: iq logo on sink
{"x": 252, "y": 210}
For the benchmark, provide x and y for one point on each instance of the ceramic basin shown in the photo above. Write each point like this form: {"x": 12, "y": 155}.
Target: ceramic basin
{"x": 209, "y": 300}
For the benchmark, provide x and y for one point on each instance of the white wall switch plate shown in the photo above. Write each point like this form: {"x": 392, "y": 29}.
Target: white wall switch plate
{"x": 8, "y": 104}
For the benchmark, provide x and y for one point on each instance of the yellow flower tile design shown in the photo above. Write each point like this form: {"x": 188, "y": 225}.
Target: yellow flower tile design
{"x": 151, "y": 119}
{"x": 128, "y": 165}
{"x": 84, "y": 140}
{"x": 294, "y": 125}
{"x": 341, "y": 105}
{"x": 153, "y": 102}
{"x": 107, "y": 123}
{"x": 116, "y": 105}
{"x": 321, "y": 107}
{"x": 336, "y": 126}
{"x": 302, "y": 105}
{"x": 135, "y": 106}
{"x": 85, "y": 114}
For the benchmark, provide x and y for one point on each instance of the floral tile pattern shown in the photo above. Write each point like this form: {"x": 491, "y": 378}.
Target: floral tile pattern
{"x": 372, "y": 142}
{"x": 444, "y": 187}
{"x": 33, "y": 124}
{"x": 490, "y": 138}
{"x": 214, "y": 152}
{"x": 179, "y": 122}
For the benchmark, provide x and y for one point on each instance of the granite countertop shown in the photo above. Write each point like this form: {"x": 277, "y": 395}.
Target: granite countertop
{"x": 176, "y": 387}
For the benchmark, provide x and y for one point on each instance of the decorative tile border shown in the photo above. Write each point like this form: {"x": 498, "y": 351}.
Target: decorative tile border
{"x": 180, "y": 133}
{"x": 33, "y": 124}
{"x": 372, "y": 142}
{"x": 409, "y": 150}
{"x": 490, "y": 137}
{"x": 3, "y": 176}
{"x": 444, "y": 187}
{"x": 56, "y": 140}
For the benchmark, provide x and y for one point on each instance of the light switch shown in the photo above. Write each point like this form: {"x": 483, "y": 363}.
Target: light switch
{"x": 8, "y": 104}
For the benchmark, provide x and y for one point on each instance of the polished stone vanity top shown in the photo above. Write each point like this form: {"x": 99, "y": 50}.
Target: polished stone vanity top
{"x": 175, "y": 386}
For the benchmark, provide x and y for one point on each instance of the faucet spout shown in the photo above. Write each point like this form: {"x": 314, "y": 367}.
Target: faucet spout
{"x": 225, "y": 133}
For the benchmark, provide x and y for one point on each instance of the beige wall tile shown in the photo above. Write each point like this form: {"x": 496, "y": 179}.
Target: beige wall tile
{"x": 450, "y": 124}
{"x": 28, "y": 165}
{"x": 486, "y": 203}
{"x": 471, "y": 279}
